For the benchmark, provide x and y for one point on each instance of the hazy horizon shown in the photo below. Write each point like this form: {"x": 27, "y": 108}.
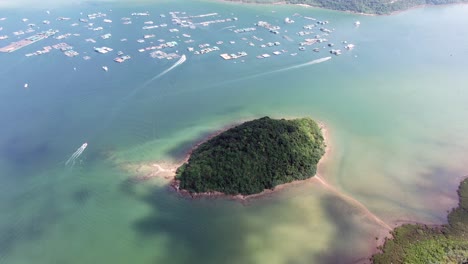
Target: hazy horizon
{"x": 58, "y": 3}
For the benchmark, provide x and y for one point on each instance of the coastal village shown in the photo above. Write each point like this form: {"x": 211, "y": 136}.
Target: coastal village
{"x": 174, "y": 36}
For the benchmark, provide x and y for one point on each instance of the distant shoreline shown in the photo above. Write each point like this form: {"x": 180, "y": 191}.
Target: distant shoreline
{"x": 240, "y": 2}
{"x": 342, "y": 11}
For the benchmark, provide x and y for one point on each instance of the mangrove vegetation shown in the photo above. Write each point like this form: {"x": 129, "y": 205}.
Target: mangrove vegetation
{"x": 415, "y": 244}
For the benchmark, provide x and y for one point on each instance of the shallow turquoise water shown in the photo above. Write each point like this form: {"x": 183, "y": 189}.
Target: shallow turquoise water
{"x": 395, "y": 107}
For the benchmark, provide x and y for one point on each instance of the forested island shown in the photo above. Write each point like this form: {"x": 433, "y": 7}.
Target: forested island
{"x": 254, "y": 156}
{"x": 378, "y": 7}
{"x": 416, "y": 243}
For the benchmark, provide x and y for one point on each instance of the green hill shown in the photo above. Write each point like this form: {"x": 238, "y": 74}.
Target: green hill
{"x": 254, "y": 156}
{"x": 363, "y": 6}
{"x": 372, "y": 6}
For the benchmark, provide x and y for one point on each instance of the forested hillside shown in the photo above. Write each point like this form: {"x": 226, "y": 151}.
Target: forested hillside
{"x": 254, "y": 156}
{"x": 364, "y": 6}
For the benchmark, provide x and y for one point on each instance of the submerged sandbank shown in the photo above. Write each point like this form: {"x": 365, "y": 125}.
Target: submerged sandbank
{"x": 167, "y": 170}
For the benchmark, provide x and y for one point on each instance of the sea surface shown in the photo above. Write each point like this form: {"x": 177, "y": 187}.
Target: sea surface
{"x": 395, "y": 107}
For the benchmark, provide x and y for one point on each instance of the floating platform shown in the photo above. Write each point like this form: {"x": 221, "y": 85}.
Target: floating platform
{"x": 28, "y": 41}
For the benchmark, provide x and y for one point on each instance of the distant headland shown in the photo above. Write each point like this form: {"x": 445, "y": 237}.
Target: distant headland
{"x": 369, "y": 7}
{"x": 254, "y": 156}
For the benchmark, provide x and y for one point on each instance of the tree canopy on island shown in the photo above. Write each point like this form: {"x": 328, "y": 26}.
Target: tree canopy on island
{"x": 254, "y": 156}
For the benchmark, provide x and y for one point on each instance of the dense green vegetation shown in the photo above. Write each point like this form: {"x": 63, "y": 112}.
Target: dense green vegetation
{"x": 254, "y": 156}
{"x": 364, "y": 6}
{"x": 422, "y": 244}
{"x": 372, "y": 6}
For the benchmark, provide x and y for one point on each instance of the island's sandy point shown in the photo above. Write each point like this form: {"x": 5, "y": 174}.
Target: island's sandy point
{"x": 167, "y": 170}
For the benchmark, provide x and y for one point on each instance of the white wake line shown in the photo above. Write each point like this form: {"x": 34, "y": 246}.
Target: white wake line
{"x": 303, "y": 64}
{"x": 317, "y": 61}
{"x": 228, "y": 27}
{"x": 179, "y": 62}
{"x": 77, "y": 153}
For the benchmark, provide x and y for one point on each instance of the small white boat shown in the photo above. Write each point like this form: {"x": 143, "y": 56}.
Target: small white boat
{"x": 349, "y": 46}
{"x": 26, "y": 85}
{"x": 105, "y": 68}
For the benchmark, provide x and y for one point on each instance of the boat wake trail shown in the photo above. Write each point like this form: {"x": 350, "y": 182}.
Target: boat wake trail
{"x": 75, "y": 155}
{"x": 317, "y": 61}
{"x": 227, "y": 27}
{"x": 179, "y": 62}
{"x": 126, "y": 99}
{"x": 354, "y": 202}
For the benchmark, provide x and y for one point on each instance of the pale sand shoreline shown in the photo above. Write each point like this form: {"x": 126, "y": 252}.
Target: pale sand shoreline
{"x": 167, "y": 170}
{"x": 243, "y": 198}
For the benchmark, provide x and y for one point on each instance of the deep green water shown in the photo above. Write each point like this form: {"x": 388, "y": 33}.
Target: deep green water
{"x": 395, "y": 107}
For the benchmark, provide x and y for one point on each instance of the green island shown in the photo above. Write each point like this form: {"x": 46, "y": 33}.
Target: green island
{"x": 378, "y": 7}
{"x": 416, "y": 243}
{"x": 254, "y": 156}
